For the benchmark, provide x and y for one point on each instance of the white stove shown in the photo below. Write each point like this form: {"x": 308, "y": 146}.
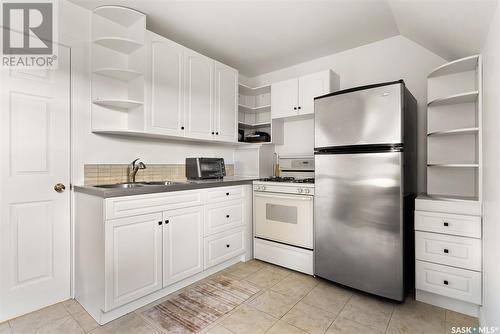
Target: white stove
{"x": 283, "y": 215}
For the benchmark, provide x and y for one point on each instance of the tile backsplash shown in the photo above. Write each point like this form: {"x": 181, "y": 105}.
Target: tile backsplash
{"x": 115, "y": 173}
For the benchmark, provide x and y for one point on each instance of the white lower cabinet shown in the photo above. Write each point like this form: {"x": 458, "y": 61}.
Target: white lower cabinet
{"x": 448, "y": 253}
{"x": 222, "y": 216}
{"x": 133, "y": 258}
{"x": 448, "y": 281}
{"x": 182, "y": 244}
{"x": 448, "y": 250}
{"x": 132, "y": 250}
{"x": 223, "y": 246}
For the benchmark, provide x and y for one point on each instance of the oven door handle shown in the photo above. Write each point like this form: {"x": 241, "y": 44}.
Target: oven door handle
{"x": 290, "y": 197}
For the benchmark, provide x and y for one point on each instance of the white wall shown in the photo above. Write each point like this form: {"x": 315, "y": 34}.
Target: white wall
{"x": 90, "y": 148}
{"x": 390, "y": 59}
{"x": 490, "y": 312}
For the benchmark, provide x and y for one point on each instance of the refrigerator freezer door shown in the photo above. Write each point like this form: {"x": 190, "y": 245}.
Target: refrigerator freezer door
{"x": 358, "y": 221}
{"x": 369, "y": 116}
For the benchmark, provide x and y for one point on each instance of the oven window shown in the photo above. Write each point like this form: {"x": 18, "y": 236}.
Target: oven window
{"x": 281, "y": 213}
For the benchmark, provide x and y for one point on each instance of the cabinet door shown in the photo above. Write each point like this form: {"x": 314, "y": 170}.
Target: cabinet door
{"x": 311, "y": 86}
{"x": 284, "y": 98}
{"x": 226, "y": 102}
{"x": 199, "y": 102}
{"x": 182, "y": 244}
{"x": 167, "y": 111}
{"x": 133, "y": 258}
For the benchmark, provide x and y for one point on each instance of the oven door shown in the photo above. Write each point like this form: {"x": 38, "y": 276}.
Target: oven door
{"x": 284, "y": 218}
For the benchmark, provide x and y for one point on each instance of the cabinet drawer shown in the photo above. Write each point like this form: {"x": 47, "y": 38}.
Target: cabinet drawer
{"x": 224, "y": 193}
{"x": 448, "y": 250}
{"x": 447, "y": 281}
{"x": 466, "y": 226}
{"x": 126, "y": 206}
{"x": 223, "y": 216}
{"x": 223, "y": 246}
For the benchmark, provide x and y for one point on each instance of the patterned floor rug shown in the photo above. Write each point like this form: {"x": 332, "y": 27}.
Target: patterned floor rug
{"x": 198, "y": 307}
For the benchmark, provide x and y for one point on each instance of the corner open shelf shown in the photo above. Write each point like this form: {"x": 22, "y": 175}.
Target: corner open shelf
{"x": 118, "y": 61}
{"x": 461, "y": 65}
{"x": 467, "y": 97}
{"x": 454, "y": 132}
{"x": 265, "y": 108}
{"x": 119, "y": 104}
{"x": 119, "y": 44}
{"x": 454, "y": 165}
{"x": 123, "y": 74}
{"x": 254, "y": 113}
{"x": 121, "y": 15}
{"x": 253, "y": 126}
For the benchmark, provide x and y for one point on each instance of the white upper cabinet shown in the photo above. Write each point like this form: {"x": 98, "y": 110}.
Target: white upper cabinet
{"x": 296, "y": 96}
{"x": 284, "y": 98}
{"x": 311, "y": 86}
{"x": 182, "y": 244}
{"x": 200, "y": 93}
{"x": 166, "y": 113}
{"x": 226, "y": 98}
{"x": 186, "y": 94}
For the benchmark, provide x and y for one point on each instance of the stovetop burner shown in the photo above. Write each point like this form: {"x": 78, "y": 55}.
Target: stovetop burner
{"x": 287, "y": 179}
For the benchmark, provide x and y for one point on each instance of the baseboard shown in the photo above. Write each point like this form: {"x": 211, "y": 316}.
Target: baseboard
{"x": 447, "y": 303}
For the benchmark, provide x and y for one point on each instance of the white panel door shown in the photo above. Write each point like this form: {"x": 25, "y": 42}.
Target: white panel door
{"x": 182, "y": 244}
{"x": 284, "y": 98}
{"x": 133, "y": 258}
{"x": 226, "y": 103}
{"x": 35, "y": 219}
{"x": 200, "y": 93}
{"x": 311, "y": 86}
{"x": 166, "y": 109}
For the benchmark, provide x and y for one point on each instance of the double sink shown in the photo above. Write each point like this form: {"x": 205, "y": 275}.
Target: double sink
{"x": 138, "y": 184}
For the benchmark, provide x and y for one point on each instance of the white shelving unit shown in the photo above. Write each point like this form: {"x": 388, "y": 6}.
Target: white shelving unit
{"x": 254, "y": 112}
{"x": 454, "y": 129}
{"x": 448, "y": 232}
{"x": 118, "y": 59}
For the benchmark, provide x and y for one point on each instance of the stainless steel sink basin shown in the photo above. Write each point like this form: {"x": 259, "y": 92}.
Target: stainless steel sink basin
{"x": 121, "y": 185}
{"x": 160, "y": 183}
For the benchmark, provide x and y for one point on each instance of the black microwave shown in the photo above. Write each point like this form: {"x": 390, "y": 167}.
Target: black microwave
{"x": 205, "y": 168}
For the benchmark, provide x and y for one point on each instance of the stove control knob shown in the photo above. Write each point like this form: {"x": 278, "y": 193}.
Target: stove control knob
{"x": 263, "y": 188}
{"x": 306, "y": 191}
{"x": 300, "y": 190}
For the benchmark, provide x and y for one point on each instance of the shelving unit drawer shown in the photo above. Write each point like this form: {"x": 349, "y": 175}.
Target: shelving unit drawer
{"x": 223, "y": 216}
{"x": 448, "y": 250}
{"x": 466, "y": 226}
{"x": 447, "y": 281}
{"x": 224, "y": 193}
{"x": 223, "y": 246}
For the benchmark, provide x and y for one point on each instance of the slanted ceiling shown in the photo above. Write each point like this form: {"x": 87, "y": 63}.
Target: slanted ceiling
{"x": 257, "y": 37}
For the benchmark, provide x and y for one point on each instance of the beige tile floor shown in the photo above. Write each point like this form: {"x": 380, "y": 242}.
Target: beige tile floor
{"x": 288, "y": 303}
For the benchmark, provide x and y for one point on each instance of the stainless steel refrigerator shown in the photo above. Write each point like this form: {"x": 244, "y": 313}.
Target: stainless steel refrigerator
{"x": 365, "y": 185}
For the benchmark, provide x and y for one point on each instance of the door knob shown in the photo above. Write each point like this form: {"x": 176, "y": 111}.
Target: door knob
{"x": 59, "y": 187}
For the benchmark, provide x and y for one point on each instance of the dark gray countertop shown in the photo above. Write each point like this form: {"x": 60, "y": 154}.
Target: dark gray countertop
{"x": 180, "y": 185}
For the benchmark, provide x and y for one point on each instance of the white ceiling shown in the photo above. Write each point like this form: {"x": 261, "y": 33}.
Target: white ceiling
{"x": 450, "y": 28}
{"x": 261, "y": 36}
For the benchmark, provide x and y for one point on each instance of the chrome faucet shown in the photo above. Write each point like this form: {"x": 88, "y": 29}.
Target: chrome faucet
{"x": 134, "y": 168}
